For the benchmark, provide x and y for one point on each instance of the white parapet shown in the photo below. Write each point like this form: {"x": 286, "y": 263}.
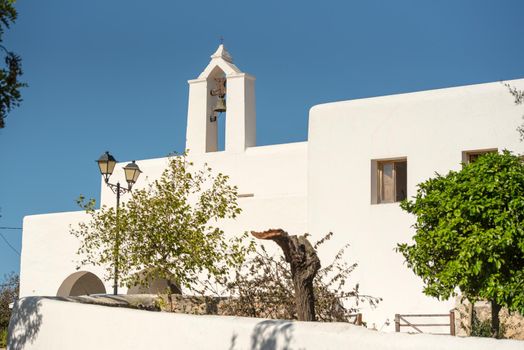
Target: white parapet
{"x": 44, "y": 323}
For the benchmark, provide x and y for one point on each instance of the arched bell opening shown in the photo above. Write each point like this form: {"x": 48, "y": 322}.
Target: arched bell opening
{"x": 217, "y": 107}
{"x": 81, "y": 283}
{"x": 154, "y": 285}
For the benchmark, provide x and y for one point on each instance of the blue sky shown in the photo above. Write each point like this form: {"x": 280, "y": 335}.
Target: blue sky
{"x": 111, "y": 75}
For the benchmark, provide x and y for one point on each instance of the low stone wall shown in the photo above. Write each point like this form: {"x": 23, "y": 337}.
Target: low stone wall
{"x": 512, "y": 324}
{"x": 207, "y": 305}
{"x": 176, "y": 303}
{"x": 192, "y": 305}
{"x": 45, "y": 323}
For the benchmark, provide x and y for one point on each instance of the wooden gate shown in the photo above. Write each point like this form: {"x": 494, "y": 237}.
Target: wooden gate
{"x": 402, "y": 321}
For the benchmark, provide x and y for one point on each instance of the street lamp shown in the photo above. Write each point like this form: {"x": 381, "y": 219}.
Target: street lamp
{"x": 106, "y": 164}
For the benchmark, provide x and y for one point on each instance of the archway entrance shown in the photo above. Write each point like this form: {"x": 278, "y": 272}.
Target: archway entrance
{"x": 81, "y": 283}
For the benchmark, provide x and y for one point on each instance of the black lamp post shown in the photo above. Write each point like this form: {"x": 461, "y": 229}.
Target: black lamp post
{"x": 107, "y": 163}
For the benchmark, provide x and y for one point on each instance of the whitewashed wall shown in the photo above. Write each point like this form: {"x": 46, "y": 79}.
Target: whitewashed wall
{"x": 430, "y": 129}
{"x": 275, "y": 175}
{"x": 40, "y": 323}
{"x": 49, "y": 253}
{"x": 325, "y": 185}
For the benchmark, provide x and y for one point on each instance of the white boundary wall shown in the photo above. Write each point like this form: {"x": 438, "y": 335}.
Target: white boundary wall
{"x": 40, "y": 323}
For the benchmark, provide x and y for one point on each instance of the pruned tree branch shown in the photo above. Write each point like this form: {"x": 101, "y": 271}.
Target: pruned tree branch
{"x": 304, "y": 264}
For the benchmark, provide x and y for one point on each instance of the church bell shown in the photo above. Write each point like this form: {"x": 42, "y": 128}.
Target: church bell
{"x": 220, "y": 106}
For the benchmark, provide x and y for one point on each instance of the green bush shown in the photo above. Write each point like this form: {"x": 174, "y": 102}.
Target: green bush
{"x": 263, "y": 287}
{"x": 3, "y": 338}
{"x": 482, "y": 328}
{"x": 8, "y": 294}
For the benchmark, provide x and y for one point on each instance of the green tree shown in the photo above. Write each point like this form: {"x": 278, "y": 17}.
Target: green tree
{"x": 10, "y": 95}
{"x": 470, "y": 233}
{"x": 167, "y": 229}
{"x": 8, "y": 294}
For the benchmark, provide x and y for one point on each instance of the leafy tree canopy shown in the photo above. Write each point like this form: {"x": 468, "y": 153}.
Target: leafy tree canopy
{"x": 470, "y": 232}
{"x": 8, "y": 294}
{"x": 167, "y": 229}
{"x": 10, "y": 95}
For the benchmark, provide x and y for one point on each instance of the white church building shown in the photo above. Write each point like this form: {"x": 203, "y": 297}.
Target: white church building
{"x": 360, "y": 159}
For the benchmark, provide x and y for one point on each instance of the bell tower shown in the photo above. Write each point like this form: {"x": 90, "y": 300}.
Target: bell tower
{"x": 221, "y": 91}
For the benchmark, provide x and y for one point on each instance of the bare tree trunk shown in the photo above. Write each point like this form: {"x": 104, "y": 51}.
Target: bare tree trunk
{"x": 304, "y": 263}
{"x": 495, "y": 321}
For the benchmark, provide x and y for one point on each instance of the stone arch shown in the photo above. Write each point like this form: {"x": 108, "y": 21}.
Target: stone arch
{"x": 154, "y": 286}
{"x": 81, "y": 283}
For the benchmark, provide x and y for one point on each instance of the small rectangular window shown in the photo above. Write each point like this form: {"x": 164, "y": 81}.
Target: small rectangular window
{"x": 471, "y": 156}
{"x": 392, "y": 181}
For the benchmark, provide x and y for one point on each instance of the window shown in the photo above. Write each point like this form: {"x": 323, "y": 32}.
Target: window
{"x": 471, "y": 156}
{"x": 391, "y": 181}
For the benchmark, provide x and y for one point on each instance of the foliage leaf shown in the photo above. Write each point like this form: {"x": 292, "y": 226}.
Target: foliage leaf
{"x": 166, "y": 230}
{"x": 470, "y": 232}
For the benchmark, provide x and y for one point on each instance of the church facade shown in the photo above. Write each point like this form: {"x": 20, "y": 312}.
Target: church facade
{"x": 361, "y": 158}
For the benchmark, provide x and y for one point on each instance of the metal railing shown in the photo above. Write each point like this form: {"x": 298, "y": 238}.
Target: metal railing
{"x": 403, "y": 318}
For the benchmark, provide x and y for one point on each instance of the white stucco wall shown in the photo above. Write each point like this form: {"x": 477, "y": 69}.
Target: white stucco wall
{"x": 49, "y": 253}
{"x": 265, "y": 171}
{"x": 275, "y": 175}
{"x": 50, "y": 324}
{"x": 318, "y": 186}
{"x": 430, "y": 129}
